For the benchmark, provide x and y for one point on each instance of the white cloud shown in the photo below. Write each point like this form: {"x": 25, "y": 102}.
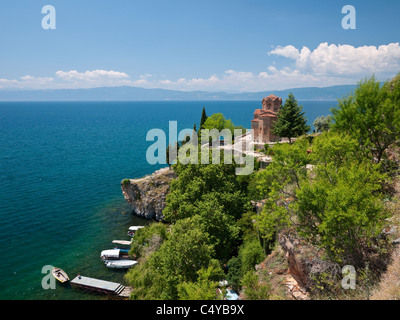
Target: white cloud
{"x": 26, "y": 82}
{"x": 287, "y": 52}
{"x": 94, "y": 75}
{"x": 70, "y": 79}
{"x": 344, "y": 60}
{"x": 145, "y": 76}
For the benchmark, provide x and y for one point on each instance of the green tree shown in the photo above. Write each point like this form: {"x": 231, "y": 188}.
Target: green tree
{"x": 335, "y": 148}
{"x": 195, "y": 181}
{"x": 234, "y": 274}
{"x": 253, "y": 288}
{"x": 323, "y": 123}
{"x": 147, "y": 281}
{"x": 167, "y": 155}
{"x": 216, "y": 121}
{"x": 291, "y": 121}
{"x": 342, "y": 212}
{"x": 206, "y": 285}
{"x": 172, "y": 153}
{"x": 203, "y": 118}
{"x": 199, "y": 290}
{"x": 178, "y": 260}
{"x": 148, "y": 239}
{"x": 250, "y": 254}
{"x": 340, "y": 208}
{"x": 371, "y": 115}
{"x": 277, "y": 185}
{"x": 220, "y": 226}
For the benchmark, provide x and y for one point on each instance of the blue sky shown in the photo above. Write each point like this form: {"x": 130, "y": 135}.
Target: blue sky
{"x": 227, "y": 45}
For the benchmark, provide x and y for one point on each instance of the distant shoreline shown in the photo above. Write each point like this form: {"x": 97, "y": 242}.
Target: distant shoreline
{"x": 113, "y": 94}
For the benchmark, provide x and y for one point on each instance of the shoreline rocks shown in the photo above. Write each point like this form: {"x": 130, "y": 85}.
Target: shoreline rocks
{"x": 147, "y": 196}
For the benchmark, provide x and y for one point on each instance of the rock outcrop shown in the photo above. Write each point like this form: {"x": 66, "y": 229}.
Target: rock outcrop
{"x": 147, "y": 195}
{"x": 298, "y": 264}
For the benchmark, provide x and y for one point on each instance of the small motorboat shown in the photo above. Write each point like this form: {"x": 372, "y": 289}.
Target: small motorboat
{"x": 60, "y": 275}
{"x": 135, "y": 228}
{"x": 122, "y": 242}
{"x": 120, "y": 264}
{"x": 113, "y": 254}
{"x": 132, "y": 229}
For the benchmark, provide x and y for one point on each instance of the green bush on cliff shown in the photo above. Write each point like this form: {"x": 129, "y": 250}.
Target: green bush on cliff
{"x": 341, "y": 207}
{"x": 214, "y": 194}
{"x": 371, "y": 115}
{"x": 277, "y": 185}
{"x": 253, "y": 289}
{"x": 250, "y": 254}
{"x": 206, "y": 285}
{"x": 148, "y": 239}
{"x": 196, "y": 181}
{"x": 178, "y": 260}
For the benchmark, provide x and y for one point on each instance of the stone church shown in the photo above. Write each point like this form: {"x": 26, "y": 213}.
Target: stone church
{"x": 264, "y": 119}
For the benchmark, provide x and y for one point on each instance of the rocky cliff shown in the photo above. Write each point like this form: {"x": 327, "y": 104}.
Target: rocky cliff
{"x": 147, "y": 195}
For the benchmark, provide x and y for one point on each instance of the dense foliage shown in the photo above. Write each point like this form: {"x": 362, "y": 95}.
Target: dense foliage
{"x": 323, "y": 123}
{"x": 371, "y": 115}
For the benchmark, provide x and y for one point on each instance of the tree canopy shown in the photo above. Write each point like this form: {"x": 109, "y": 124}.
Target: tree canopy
{"x": 371, "y": 115}
{"x": 291, "y": 121}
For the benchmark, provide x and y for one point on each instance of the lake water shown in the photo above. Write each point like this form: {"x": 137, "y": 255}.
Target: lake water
{"x": 61, "y": 164}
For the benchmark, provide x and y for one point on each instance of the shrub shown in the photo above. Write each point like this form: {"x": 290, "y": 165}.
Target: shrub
{"x": 234, "y": 275}
{"x": 148, "y": 239}
{"x": 253, "y": 288}
{"x": 250, "y": 254}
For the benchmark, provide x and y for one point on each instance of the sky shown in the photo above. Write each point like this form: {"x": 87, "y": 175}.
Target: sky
{"x": 218, "y": 45}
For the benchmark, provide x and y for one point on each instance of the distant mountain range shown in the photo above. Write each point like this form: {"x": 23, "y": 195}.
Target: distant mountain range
{"x": 140, "y": 94}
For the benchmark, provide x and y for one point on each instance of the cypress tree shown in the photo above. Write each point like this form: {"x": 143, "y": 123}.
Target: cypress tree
{"x": 291, "y": 121}
{"x": 167, "y": 155}
{"x": 203, "y": 118}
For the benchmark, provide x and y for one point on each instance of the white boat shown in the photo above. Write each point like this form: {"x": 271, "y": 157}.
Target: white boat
{"x": 122, "y": 242}
{"x": 120, "y": 264}
{"x": 113, "y": 254}
{"x": 135, "y": 228}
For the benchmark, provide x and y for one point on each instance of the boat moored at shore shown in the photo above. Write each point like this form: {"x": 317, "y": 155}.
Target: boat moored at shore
{"x": 133, "y": 229}
{"x": 113, "y": 254}
{"x": 60, "y": 275}
{"x": 120, "y": 264}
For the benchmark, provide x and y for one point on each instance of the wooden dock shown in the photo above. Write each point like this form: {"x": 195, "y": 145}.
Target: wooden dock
{"x": 101, "y": 286}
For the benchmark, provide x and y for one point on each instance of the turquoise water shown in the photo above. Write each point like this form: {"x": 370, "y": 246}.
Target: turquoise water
{"x": 61, "y": 164}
